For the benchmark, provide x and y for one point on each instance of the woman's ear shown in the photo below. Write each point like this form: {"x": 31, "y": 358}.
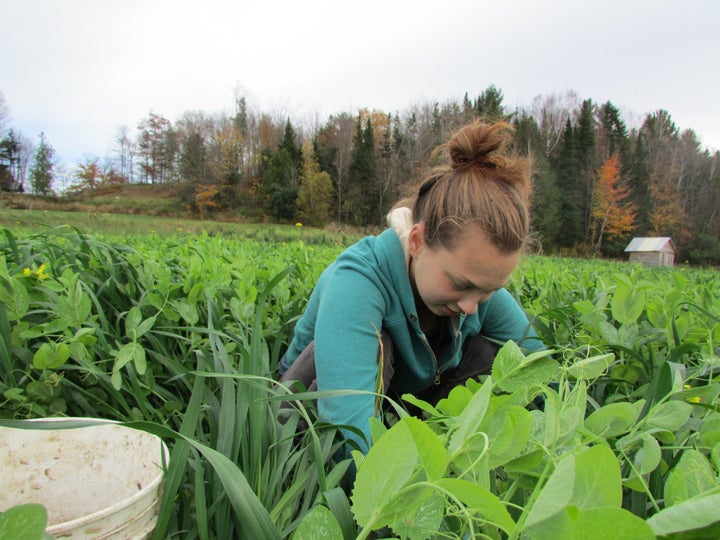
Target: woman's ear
{"x": 416, "y": 238}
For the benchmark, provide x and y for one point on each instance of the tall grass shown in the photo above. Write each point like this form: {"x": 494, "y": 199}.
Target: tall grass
{"x": 199, "y": 372}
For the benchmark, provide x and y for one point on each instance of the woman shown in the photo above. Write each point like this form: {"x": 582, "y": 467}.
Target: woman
{"x": 425, "y": 299}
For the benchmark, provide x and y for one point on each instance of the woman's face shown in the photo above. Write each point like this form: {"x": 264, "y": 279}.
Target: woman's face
{"x": 453, "y": 281}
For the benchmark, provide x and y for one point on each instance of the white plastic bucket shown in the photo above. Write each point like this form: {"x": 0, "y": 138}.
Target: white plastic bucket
{"x": 100, "y": 482}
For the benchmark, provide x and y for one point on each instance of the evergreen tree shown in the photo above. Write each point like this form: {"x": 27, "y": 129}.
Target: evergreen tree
{"x": 546, "y": 199}
{"x": 436, "y": 131}
{"x": 364, "y": 177}
{"x": 193, "y": 166}
{"x": 489, "y": 105}
{"x": 293, "y": 150}
{"x": 281, "y": 177}
{"x": 639, "y": 182}
{"x": 468, "y": 111}
{"x": 587, "y": 163}
{"x": 279, "y": 185}
{"x": 9, "y": 161}
{"x": 193, "y": 160}
{"x": 613, "y": 133}
{"x": 566, "y": 169}
{"x": 41, "y": 171}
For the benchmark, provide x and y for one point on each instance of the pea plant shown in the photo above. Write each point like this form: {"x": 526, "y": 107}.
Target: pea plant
{"x": 526, "y": 454}
{"x": 613, "y": 431}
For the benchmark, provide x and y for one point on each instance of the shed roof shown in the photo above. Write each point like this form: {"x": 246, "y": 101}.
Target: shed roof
{"x": 657, "y": 243}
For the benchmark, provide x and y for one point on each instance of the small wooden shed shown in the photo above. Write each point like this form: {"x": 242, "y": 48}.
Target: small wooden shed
{"x": 652, "y": 251}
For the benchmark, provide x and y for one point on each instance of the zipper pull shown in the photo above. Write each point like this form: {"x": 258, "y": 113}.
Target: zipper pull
{"x": 437, "y": 377}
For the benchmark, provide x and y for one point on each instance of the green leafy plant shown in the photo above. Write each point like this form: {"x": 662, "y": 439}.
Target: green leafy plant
{"x": 616, "y": 424}
{"x": 24, "y": 522}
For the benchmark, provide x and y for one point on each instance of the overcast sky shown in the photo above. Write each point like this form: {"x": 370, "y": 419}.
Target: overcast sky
{"x": 79, "y": 69}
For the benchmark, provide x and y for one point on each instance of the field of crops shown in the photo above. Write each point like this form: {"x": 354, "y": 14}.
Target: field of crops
{"x": 612, "y": 433}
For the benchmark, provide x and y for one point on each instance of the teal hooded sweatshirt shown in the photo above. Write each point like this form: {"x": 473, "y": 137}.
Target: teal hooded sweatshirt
{"x": 365, "y": 290}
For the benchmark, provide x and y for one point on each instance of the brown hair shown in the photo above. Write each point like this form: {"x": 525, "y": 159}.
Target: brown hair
{"x": 482, "y": 185}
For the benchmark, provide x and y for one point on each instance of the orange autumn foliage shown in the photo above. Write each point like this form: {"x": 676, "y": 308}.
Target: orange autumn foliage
{"x": 613, "y": 213}
{"x": 205, "y": 196}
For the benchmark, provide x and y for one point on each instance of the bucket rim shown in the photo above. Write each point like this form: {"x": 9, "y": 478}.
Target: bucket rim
{"x": 120, "y": 505}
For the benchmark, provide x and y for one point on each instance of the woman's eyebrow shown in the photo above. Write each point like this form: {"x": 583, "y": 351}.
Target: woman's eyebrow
{"x": 466, "y": 283}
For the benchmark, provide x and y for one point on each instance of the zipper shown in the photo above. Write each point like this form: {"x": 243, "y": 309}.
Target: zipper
{"x": 436, "y": 380}
{"x": 456, "y": 335}
{"x": 455, "y": 332}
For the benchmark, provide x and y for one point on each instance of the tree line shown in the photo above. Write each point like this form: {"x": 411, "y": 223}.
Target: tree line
{"x": 597, "y": 181}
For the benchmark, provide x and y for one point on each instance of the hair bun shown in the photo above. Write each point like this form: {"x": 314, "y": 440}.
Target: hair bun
{"x": 458, "y": 158}
{"x": 478, "y": 145}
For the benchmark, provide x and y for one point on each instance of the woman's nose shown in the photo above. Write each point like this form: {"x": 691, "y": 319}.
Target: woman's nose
{"x": 470, "y": 303}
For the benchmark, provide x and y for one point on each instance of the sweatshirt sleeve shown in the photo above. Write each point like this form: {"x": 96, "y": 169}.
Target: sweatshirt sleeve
{"x": 503, "y": 318}
{"x": 349, "y": 313}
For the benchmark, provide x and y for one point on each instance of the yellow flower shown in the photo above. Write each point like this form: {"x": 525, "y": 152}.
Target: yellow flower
{"x": 40, "y": 272}
{"x": 27, "y": 271}
{"x": 695, "y": 399}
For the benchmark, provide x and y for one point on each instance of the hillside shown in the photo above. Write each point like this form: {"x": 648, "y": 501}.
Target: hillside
{"x": 146, "y": 199}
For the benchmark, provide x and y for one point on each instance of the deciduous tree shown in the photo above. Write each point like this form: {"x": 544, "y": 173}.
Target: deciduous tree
{"x": 125, "y": 149}
{"x": 88, "y": 174}
{"x": 612, "y": 211}
{"x": 206, "y": 198}
{"x": 157, "y": 146}
{"x": 334, "y": 144}
{"x": 662, "y": 138}
{"x": 314, "y": 203}
{"x": 552, "y": 113}
{"x": 4, "y": 112}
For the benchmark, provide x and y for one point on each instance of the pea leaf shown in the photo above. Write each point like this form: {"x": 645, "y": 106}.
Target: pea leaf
{"x": 318, "y": 523}
{"x": 597, "y": 479}
{"x": 670, "y": 415}
{"x": 512, "y": 370}
{"x": 648, "y": 456}
{"x": 508, "y": 430}
{"x": 51, "y": 355}
{"x": 627, "y": 303}
{"x": 612, "y": 420}
{"x": 23, "y": 522}
{"x": 692, "y": 476}
{"x": 596, "y": 523}
{"x": 590, "y": 368}
{"x": 588, "y": 481}
{"x": 688, "y": 515}
{"x": 384, "y": 471}
{"x": 480, "y": 500}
